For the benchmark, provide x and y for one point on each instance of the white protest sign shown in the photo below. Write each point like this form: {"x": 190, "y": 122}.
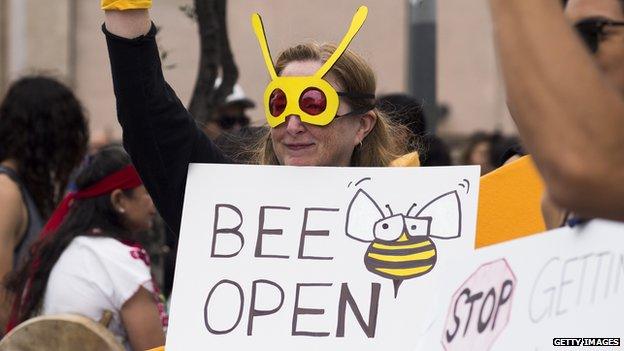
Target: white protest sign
{"x": 308, "y": 258}
{"x": 521, "y": 295}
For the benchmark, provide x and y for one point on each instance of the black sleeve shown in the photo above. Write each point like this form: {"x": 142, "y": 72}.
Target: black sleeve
{"x": 160, "y": 135}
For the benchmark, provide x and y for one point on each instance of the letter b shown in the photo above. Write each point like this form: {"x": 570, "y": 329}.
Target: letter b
{"x": 221, "y": 229}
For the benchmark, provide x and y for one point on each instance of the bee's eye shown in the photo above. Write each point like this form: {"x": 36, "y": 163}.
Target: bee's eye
{"x": 389, "y": 229}
{"x": 417, "y": 226}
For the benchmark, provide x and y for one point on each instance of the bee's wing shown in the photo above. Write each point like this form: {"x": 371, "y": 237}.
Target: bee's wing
{"x": 445, "y": 214}
{"x": 362, "y": 214}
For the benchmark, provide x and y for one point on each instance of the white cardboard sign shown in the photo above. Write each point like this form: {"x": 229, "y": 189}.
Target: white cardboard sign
{"x": 520, "y": 295}
{"x": 308, "y": 258}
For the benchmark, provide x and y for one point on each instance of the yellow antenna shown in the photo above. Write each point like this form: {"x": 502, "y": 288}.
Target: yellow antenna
{"x": 356, "y": 24}
{"x": 256, "y": 23}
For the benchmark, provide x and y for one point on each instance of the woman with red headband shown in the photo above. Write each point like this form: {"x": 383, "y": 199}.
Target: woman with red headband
{"x": 88, "y": 260}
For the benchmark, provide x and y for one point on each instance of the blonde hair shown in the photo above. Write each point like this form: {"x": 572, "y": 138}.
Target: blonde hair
{"x": 385, "y": 142}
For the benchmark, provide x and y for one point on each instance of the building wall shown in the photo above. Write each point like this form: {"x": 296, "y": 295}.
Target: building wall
{"x": 38, "y": 39}
{"x": 66, "y": 40}
{"x": 3, "y": 49}
{"x": 287, "y": 22}
{"x": 469, "y": 80}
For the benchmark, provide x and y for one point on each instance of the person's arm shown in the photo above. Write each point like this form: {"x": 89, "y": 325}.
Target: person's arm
{"x": 141, "y": 320}
{"x": 158, "y": 132}
{"x": 128, "y": 24}
{"x": 569, "y": 117}
{"x": 11, "y": 226}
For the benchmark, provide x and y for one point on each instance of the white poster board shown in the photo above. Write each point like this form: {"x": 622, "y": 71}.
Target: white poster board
{"x": 285, "y": 258}
{"x": 520, "y": 295}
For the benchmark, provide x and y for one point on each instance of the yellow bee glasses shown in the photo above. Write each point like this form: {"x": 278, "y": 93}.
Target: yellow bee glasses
{"x": 312, "y": 98}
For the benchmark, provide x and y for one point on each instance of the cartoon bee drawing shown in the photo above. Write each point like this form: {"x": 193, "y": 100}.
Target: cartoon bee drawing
{"x": 400, "y": 244}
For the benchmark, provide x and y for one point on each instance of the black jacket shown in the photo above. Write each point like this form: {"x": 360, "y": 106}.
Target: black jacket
{"x": 158, "y": 132}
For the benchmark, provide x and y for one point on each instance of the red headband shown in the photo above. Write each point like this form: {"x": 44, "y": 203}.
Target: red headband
{"x": 124, "y": 179}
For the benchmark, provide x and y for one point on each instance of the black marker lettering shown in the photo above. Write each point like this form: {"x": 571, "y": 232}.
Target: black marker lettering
{"x": 306, "y": 232}
{"x": 451, "y": 336}
{"x": 504, "y": 297}
{"x": 346, "y": 298}
{"x": 481, "y": 325}
{"x": 253, "y": 312}
{"x": 471, "y": 300}
{"x": 262, "y": 231}
{"x": 299, "y": 311}
{"x": 217, "y": 230}
{"x": 240, "y": 308}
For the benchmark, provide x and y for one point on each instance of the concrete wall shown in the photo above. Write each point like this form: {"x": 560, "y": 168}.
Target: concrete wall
{"x": 66, "y": 40}
{"x": 287, "y": 22}
{"x": 3, "y": 49}
{"x": 38, "y": 38}
{"x": 469, "y": 80}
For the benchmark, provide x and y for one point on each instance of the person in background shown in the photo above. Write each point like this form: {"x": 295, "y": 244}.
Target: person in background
{"x": 88, "y": 259}
{"x": 43, "y": 137}
{"x": 408, "y": 111}
{"x": 405, "y": 110}
{"x": 564, "y": 75}
{"x": 100, "y": 139}
{"x": 478, "y": 152}
{"x": 504, "y": 149}
{"x": 434, "y": 151}
{"x": 232, "y": 114}
{"x": 239, "y": 146}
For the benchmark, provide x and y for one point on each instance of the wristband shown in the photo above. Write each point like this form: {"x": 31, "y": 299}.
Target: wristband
{"x": 122, "y": 5}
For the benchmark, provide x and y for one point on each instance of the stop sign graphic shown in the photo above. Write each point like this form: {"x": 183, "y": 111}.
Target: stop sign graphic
{"x": 480, "y": 308}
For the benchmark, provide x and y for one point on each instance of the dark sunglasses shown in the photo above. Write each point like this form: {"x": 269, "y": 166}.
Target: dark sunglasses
{"x": 592, "y": 31}
{"x": 228, "y": 121}
{"x": 313, "y": 102}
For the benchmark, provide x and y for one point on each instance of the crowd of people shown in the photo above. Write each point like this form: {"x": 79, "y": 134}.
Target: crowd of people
{"x": 73, "y": 220}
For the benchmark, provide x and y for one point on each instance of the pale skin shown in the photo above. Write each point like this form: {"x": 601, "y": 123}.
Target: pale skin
{"x": 568, "y": 105}
{"x": 301, "y": 144}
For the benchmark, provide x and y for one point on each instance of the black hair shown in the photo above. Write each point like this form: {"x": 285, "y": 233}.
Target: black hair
{"x": 43, "y": 128}
{"x": 405, "y": 110}
{"x": 84, "y": 216}
{"x": 475, "y": 139}
{"x": 435, "y": 152}
{"x": 503, "y": 148}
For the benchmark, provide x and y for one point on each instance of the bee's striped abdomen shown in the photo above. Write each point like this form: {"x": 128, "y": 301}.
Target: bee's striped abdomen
{"x": 401, "y": 259}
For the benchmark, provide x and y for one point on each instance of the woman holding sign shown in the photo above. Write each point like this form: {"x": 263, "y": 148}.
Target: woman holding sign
{"x": 88, "y": 260}
{"x": 320, "y": 106}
